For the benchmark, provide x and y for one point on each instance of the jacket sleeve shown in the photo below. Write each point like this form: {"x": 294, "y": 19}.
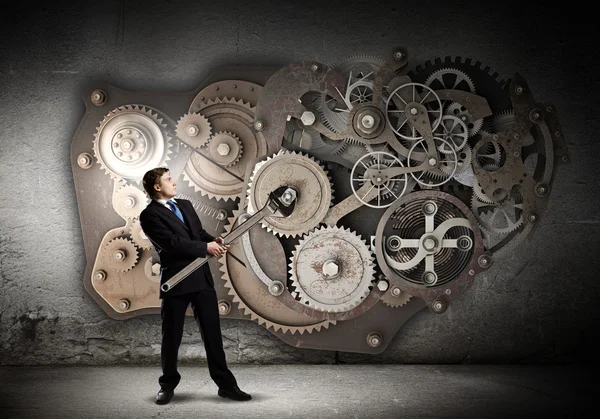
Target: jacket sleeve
{"x": 162, "y": 236}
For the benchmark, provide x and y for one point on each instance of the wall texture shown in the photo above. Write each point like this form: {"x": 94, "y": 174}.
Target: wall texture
{"x": 538, "y": 305}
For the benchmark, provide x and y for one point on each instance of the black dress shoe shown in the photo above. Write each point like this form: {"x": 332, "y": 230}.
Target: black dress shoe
{"x": 164, "y": 396}
{"x": 234, "y": 394}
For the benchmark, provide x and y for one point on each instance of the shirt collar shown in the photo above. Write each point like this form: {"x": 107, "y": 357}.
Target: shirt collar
{"x": 164, "y": 201}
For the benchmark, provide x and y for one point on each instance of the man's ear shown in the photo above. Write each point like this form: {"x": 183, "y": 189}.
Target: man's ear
{"x": 157, "y": 187}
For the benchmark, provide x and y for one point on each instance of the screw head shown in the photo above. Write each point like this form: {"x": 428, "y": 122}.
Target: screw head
{"x": 308, "y": 118}
{"x": 129, "y": 202}
{"x": 224, "y": 307}
{"x": 396, "y": 291}
{"x": 120, "y": 255}
{"x": 374, "y": 339}
{"x": 413, "y": 111}
{"x": 429, "y": 208}
{"x": 259, "y": 125}
{"x": 429, "y": 278}
{"x": 314, "y": 68}
{"x": 439, "y": 306}
{"x": 484, "y": 261}
{"x": 565, "y": 159}
{"x": 517, "y": 154}
{"x": 398, "y": 55}
{"x": 276, "y": 288}
{"x": 532, "y": 217}
{"x": 84, "y": 160}
{"x": 368, "y": 121}
{"x": 519, "y": 90}
{"x": 100, "y": 275}
{"x": 98, "y": 97}
{"x": 124, "y": 304}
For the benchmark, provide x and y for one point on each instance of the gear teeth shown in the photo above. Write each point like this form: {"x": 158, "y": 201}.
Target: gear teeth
{"x": 267, "y": 324}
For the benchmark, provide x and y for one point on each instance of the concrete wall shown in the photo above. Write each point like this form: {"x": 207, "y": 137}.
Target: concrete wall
{"x": 538, "y": 305}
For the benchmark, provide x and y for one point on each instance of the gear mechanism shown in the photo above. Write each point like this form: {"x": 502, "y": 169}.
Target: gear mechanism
{"x": 194, "y": 129}
{"x": 129, "y": 141}
{"x": 121, "y": 254}
{"x": 297, "y": 170}
{"x": 332, "y": 269}
{"x": 129, "y": 201}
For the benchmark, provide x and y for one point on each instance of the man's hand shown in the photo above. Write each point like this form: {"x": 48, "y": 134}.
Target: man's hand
{"x": 215, "y": 249}
{"x": 219, "y": 240}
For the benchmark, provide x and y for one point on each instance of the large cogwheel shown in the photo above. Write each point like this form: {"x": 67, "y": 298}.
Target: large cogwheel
{"x": 129, "y": 141}
{"x": 486, "y": 82}
{"x": 303, "y": 173}
{"x": 232, "y": 118}
{"x": 500, "y": 217}
{"x": 332, "y": 270}
{"x": 254, "y": 299}
{"x": 121, "y": 254}
{"x": 138, "y": 235}
{"x": 129, "y": 201}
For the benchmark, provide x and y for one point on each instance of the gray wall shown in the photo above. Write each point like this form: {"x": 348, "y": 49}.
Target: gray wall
{"x": 538, "y": 305}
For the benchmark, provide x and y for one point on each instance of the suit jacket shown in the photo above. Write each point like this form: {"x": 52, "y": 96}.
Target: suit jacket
{"x": 178, "y": 244}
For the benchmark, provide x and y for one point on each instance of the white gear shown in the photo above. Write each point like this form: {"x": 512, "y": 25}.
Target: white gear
{"x": 332, "y": 269}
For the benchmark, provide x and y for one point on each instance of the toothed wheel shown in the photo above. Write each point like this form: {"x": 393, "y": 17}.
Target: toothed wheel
{"x": 121, "y": 254}
{"x": 464, "y": 164}
{"x": 453, "y": 130}
{"x": 332, "y": 270}
{"x": 253, "y": 299}
{"x": 301, "y": 172}
{"x": 493, "y": 197}
{"x": 129, "y": 141}
{"x": 396, "y": 107}
{"x": 128, "y": 201}
{"x": 234, "y": 117}
{"x": 395, "y": 297}
{"x": 499, "y": 218}
{"x": 450, "y": 78}
{"x": 194, "y": 129}
{"x": 139, "y": 237}
{"x": 486, "y": 82}
{"x": 457, "y": 110}
{"x": 225, "y": 148}
{"x": 449, "y": 159}
{"x": 388, "y": 188}
{"x": 360, "y": 72}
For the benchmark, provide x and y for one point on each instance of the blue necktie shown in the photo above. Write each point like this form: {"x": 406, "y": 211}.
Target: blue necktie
{"x": 176, "y": 210}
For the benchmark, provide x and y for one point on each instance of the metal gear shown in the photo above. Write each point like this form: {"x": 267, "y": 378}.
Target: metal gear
{"x": 121, "y": 254}
{"x": 255, "y": 301}
{"x": 464, "y": 163}
{"x": 401, "y": 96}
{"x": 459, "y": 111}
{"x": 138, "y": 235}
{"x": 129, "y": 201}
{"x": 484, "y": 197}
{"x": 453, "y": 130}
{"x": 300, "y": 171}
{"x": 451, "y": 159}
{"x": 450, "y": 78}
{"x": 395, "y": 297}
{"x": 194, "y": 129}
{"x": 236, "y": 117}
{"x": 225, "y": 148}
{"x": 499, "y": 218}
{"x": 332, "y": 269}
{"x": 129, "y": 141}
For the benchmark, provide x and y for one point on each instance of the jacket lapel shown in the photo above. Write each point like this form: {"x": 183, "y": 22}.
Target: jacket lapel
{"x": 170, "y": 214}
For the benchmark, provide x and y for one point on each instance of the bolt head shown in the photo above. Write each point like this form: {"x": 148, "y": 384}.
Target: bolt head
{"x": 308, "y": 118}
{"x": 413, "y": 111}
{"x": 429, "y": 278}
{"x": 330, "y": 268}
{"x": 224, "y": 307}
{"x": 124, "y": 304}
{"x": 432, "y": 161}
{"x": 314, "y": 67}
{"x": 382, "y": 285}
{"x": 259, "y": 125}
{"x": 100, "y": 275}
{"x": 398, "y": 55}
{"x": 396, "y": 291}
{"x": 223, "y": 149}
{"x": 439, "y": 306}
{"x": 374, "y": 339}
{"x": 429, "y": 244}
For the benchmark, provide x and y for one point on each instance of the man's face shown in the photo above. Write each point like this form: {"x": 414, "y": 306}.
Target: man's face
{"x": 166, "y": 188}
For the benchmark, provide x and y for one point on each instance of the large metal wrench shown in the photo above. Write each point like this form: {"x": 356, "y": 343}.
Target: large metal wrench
{"x": 281, "y": 204}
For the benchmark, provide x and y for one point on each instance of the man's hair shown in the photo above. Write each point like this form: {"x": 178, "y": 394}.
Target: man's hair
{"x": 151, "y": 178}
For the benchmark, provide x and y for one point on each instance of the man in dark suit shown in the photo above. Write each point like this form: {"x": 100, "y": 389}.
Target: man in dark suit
{"x": 176, "y": 232}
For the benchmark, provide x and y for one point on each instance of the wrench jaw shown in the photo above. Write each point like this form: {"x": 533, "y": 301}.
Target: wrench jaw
{"x": 283, "y": 201}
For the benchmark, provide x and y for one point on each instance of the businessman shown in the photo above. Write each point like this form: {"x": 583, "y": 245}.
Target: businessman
{"x": 176, "y": 232}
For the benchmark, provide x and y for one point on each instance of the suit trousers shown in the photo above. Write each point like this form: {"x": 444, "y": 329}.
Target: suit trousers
{"x": 206, "y": 314}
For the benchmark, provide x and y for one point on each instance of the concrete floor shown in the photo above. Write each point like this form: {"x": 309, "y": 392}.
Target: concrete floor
{"x": 303, "y": 391}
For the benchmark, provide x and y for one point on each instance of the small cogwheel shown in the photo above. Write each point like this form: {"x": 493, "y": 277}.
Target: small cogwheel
{"x": 128, "y": 201}
{"x": 121, "y": 254}
{"x": 193, "y": 129}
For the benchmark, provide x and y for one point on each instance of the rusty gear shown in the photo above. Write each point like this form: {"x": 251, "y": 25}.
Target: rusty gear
{"x": 332, "y": 269}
